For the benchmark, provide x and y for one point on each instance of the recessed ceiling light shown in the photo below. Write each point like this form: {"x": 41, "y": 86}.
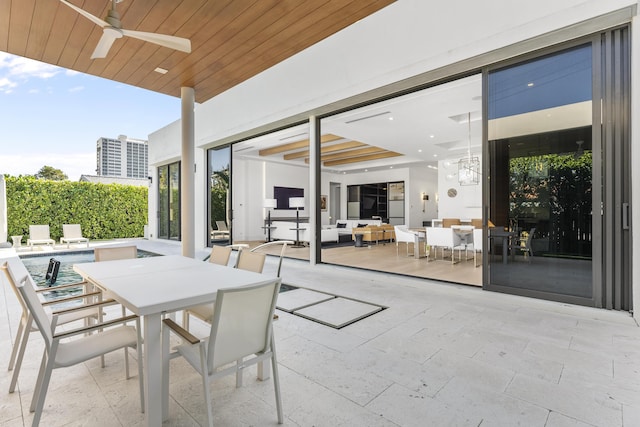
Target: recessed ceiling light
{"x": 530, "y": 84}
{"x": 161, "y": 70}
{"x": 435, "y": 155}
{"x": 390, "y": 167}
{"x": 366, "y": 170}
{"x": 390, "y": 118}
{"x": 432, "y": 136}
{"x": 420, "y": 150}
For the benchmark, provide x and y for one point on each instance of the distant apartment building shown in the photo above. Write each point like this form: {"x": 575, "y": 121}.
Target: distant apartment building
{"x": 122, "y": 157}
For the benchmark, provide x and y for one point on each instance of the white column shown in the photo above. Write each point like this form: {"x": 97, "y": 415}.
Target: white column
{"x": 187, "y": 173}
{"x": 314, "y": 194}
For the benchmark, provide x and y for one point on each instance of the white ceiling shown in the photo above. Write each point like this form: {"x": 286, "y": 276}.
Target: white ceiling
{"x": 425, "y": 126}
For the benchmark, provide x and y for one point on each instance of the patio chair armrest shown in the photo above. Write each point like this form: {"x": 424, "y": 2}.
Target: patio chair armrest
{"x": 59, "y": 287}
{"x": 72, "y": 298}
{"x": 104, "y": 303}
{"x": 95, "y": 327}
{"x": 182, "y": 332}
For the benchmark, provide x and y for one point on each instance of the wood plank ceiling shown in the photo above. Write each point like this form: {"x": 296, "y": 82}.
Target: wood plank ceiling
{"x": 231, "y": 40}
{"x": 335, "y": 150}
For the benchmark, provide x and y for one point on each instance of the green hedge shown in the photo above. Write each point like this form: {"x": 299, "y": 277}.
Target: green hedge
{"x": 104, "y": 211}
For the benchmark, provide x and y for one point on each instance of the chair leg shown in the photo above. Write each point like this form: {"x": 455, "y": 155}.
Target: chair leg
{"x": 276, "y": 381}
{"x": 40, "y": 393}
{"x": 205, "y": 384}
{"x": 20, "y": 355}
{"x": 16, "y": 344}
{"x": 140, "y": 366}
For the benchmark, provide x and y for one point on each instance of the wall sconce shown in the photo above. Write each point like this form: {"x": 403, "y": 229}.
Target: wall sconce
{"x": 425, "y": 197}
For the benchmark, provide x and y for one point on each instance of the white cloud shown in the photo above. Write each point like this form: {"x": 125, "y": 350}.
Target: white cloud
{"x": 73, "y": 165}
{"x": 76, "y": 89}
{"x": 6, "y": 85}
{"x": 23, "y": 67}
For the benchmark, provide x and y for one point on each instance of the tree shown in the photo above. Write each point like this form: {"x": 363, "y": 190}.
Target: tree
{"x": 51, "y": 173}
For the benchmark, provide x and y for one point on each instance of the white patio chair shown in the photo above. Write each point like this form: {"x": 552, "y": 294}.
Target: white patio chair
{"x": 219, "y": 255}
{"x": 72, "y": 233}
{"x": 241, "y": 335}
{"x": 26, "y": 325}
{"x": 247, "y": 260}
{"x": 284, "y": 244}
{"x": 115, "y": 253}
{"x": 60, "y": 353}
{"x": 39, "y": 235}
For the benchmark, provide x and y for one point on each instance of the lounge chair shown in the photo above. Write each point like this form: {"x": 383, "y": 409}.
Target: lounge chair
{"x": 72, "y": 233}
{"x": 222, "y": 231}
{"x": 39, "y": 235}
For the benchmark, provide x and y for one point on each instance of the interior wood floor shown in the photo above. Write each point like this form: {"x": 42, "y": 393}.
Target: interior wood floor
{"x": 383, "y": 257}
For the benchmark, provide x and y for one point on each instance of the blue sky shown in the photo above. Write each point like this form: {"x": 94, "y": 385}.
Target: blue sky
{"x": 53, "y": 116}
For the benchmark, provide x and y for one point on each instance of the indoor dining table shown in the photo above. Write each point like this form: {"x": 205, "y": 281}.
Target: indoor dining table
{"x": 151, "y": 287}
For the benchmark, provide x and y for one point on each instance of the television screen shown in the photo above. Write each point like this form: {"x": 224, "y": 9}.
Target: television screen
{"x": 282, "y": 195}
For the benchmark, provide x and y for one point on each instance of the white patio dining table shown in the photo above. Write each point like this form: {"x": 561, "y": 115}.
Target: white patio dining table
{"x": 150, "y": 287}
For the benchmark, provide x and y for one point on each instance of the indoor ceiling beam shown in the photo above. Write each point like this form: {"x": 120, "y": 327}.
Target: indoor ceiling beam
{"x": 296, "y": 145}
{"x": 329, "y": 149}
{"x": 362, "y": 158}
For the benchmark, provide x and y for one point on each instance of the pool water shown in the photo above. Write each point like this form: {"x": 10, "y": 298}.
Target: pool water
{"x": 37, "y": 265}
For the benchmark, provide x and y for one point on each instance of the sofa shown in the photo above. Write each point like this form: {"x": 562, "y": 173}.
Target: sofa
{"x": 374, "y": 233}
{"x": 345, "y": 226}
{"x": 283, "y": 231}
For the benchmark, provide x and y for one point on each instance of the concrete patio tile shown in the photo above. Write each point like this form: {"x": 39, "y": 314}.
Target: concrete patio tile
{"x": 307, "y": 403}
{"x": 394, "y": 343}
{"x": 558, "y": 420}
{"x": 338, "y": 312}
{"x": 630, "y": 416}
{"x": 592, "y": 407}
{"x": 407, "y": 408}
{"x": 299, "y": 298}
{"x": 621, "y": 391}
{"x": 494, "y": 408}
{"x": 572, "y": 359}
{"x": 448, "y": 365}
{"x": 520, "y": 362}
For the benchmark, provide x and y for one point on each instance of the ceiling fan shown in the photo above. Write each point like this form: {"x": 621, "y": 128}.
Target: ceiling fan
{"x": 112, "y": 30}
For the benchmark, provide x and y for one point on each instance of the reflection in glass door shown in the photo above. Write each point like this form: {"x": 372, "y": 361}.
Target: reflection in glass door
{"x": 219, "y": 196}
{"x": 541, "y": 164}
{"x": 169, "y": 201}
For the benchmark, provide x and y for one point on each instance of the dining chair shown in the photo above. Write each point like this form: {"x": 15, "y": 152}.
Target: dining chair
{"x": 88, "y": 342}
{"x": 477, "y": 245}
{"x": 26, "y": 326}
{"x": 115, "y": 253}
{"x": 445, "y": 238}
{"x": 525, "y": 244}
{"x": 247, "y": 260}
{"x": 403, "y": 235}
{"x": 283, "y": 243}
{"x": 219, "y": 255}
{"x": 241, "y": 335}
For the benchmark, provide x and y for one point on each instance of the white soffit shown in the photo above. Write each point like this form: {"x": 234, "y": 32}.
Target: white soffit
{"x": 551, "y": 119}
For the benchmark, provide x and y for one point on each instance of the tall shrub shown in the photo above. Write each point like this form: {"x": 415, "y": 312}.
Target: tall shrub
{"x": 104, "y": 211}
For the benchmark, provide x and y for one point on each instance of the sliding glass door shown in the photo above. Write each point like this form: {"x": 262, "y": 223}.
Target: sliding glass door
{"x": 548, "y": 189}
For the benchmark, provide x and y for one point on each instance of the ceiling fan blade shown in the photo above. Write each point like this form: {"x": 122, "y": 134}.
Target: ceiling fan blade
{"x": 86, "y": 14}
{"x": 172, "y": 42}
{"x": 109, "y": 35}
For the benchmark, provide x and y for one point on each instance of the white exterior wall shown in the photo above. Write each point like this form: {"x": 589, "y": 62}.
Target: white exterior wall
{"x": 417, "y": 38}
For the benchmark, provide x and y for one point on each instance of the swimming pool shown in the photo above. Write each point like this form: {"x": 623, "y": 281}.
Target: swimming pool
{"x": 37, "y": 265}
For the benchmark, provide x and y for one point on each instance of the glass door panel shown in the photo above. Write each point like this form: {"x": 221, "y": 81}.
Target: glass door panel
{"x": 219, "y": 196}
{"x": 540, "y": 153}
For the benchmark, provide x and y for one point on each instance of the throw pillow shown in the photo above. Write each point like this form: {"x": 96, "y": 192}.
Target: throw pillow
{"x": 341, "y": 225}
{"x": 362, "y": 225}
